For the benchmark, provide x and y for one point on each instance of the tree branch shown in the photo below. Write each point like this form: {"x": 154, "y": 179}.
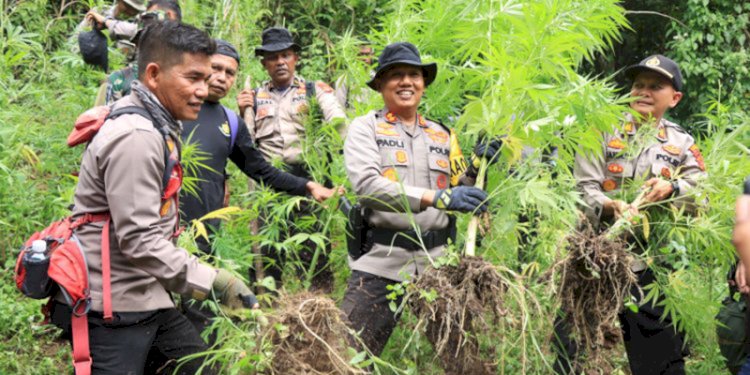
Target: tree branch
{"x": 653, "y": 13}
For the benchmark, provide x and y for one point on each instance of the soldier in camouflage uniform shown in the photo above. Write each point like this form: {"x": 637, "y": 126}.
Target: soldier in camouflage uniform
{"x": 671, "y": 165}
{"x": 406, "y": 170}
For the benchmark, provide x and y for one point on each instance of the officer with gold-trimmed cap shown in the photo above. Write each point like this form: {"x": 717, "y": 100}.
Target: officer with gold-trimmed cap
{"x": 670, "y": 166}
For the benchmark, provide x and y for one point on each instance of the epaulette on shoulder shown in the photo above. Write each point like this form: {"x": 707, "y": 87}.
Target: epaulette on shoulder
{"x": 675, "y": 127}
{"x": 448, "y": 129}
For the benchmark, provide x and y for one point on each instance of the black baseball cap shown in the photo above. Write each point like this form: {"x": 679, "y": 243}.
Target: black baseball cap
{"x": 402, "y": 53}
{"x": 659, "y": 64}
{"x": 275, "y": 39}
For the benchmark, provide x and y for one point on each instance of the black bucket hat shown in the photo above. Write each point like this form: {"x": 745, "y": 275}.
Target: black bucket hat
{"x": 275, "y": 39}
{"x": 659, "y": 64}
{"x": 93, "y": 47}
{"x": 402, "y": 53}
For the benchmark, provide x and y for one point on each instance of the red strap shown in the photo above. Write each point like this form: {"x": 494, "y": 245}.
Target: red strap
{"x": 81, "y": 353}
{"x": 106, "y": 274}
{"x": 79, "y": 320}
{"x": 89, "y": 218}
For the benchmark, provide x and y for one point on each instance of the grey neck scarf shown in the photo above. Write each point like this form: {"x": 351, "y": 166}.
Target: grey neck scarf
{"x": 159, "y": 114}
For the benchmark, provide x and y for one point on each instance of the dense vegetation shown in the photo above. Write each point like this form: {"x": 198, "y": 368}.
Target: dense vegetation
{"x": 542, "y": 72}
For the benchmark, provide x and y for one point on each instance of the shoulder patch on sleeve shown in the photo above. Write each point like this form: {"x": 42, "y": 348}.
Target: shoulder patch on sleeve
{"x": 322, "y": 86}
{"x": 698, "y": 156}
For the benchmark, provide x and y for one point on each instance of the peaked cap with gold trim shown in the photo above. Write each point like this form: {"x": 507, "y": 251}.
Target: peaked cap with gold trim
{"x": 659, "y": 64}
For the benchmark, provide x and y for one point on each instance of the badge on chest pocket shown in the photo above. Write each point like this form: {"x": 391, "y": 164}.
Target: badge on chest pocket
{"x": 263, "y": 120}
{"x": 264, "y": 111}
{"x": 395, "y": 164}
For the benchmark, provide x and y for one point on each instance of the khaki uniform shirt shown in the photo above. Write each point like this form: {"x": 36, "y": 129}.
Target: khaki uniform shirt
{"x": 121, "y": 173}
{"x": 390, "y": 167}
{"x": 672, "y": 155}
{"x": 122, "y": 29}
{"x": 277, "y": 122}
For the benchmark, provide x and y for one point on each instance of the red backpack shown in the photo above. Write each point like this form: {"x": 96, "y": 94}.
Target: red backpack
{"x": 64, "y": 265}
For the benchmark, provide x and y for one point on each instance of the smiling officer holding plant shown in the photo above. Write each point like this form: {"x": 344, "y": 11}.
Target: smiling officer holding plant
{"x": 405, "y": 169}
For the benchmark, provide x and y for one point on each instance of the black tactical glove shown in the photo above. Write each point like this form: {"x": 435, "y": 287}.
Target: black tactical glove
{"x": 461, "y": 198}
{"x": 232, "y": 292}
{"x": 487, "y": 149}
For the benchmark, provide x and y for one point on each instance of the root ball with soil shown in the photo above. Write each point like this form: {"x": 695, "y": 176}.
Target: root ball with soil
{"x": 466, "y": 297}
{"x": 314, "y": 338}
{"x": 596, "y": 282}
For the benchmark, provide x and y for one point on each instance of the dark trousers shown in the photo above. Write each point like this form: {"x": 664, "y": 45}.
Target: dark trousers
{"x": 653, "y": 345}
{"x": 200, "y": 316}
{"x": 274, "y": 261}
{"x": 366, "y": 306}
{"x": 123, "y": 345}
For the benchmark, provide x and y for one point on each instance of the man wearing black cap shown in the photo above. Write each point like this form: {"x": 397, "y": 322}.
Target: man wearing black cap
{"x": 274, "y": 114}
{"x": 406, "y": 170}
{"x": 222, "y": 136}
{"x": 671, "y": 166}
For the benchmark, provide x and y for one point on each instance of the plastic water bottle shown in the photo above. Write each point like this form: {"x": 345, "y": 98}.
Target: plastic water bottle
{"x": 37, "y": 283}
{"x": 38, "y": 250}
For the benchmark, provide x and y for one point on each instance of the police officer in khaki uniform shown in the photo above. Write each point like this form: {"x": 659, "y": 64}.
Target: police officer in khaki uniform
{"x": 403, "y": 168}
{"x": 275, "y": 114}
{"x": 671, "y": 166}
{"x": 122, "y": 181}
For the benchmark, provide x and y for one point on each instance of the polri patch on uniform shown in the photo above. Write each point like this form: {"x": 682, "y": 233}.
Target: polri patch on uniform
{"x": 302, "y": 90}
{"x": 263, "y": 95}
{"x": 698, "y": 156}
{"x": 668, "y": 159}
{"x": 615, "y": 168}
{"x": 390, "y": 173}
{"x": 617, "y": 144}
{"x": 224, "y": 129}
{"x": 609, "y": 185}
{"x": 672, "y": 149}
{"x": 442, "y": 163}
{"x": 442, "y": 181}
{"x": 302, "y": 108}
{"x": 666, "y": 173}
{"x": 401, "y": 156}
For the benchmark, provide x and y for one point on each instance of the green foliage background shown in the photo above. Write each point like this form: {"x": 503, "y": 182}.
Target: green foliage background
{"x": 534, "y": 70}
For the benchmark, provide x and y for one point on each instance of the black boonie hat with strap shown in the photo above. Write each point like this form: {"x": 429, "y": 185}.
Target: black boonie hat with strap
{"x": 275, "y": 39}
{"x": 403, "y": 53}
{"x": 659, "y": 64}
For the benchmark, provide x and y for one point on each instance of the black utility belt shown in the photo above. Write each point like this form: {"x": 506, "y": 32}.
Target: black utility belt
{"x": 408, "y": 239}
